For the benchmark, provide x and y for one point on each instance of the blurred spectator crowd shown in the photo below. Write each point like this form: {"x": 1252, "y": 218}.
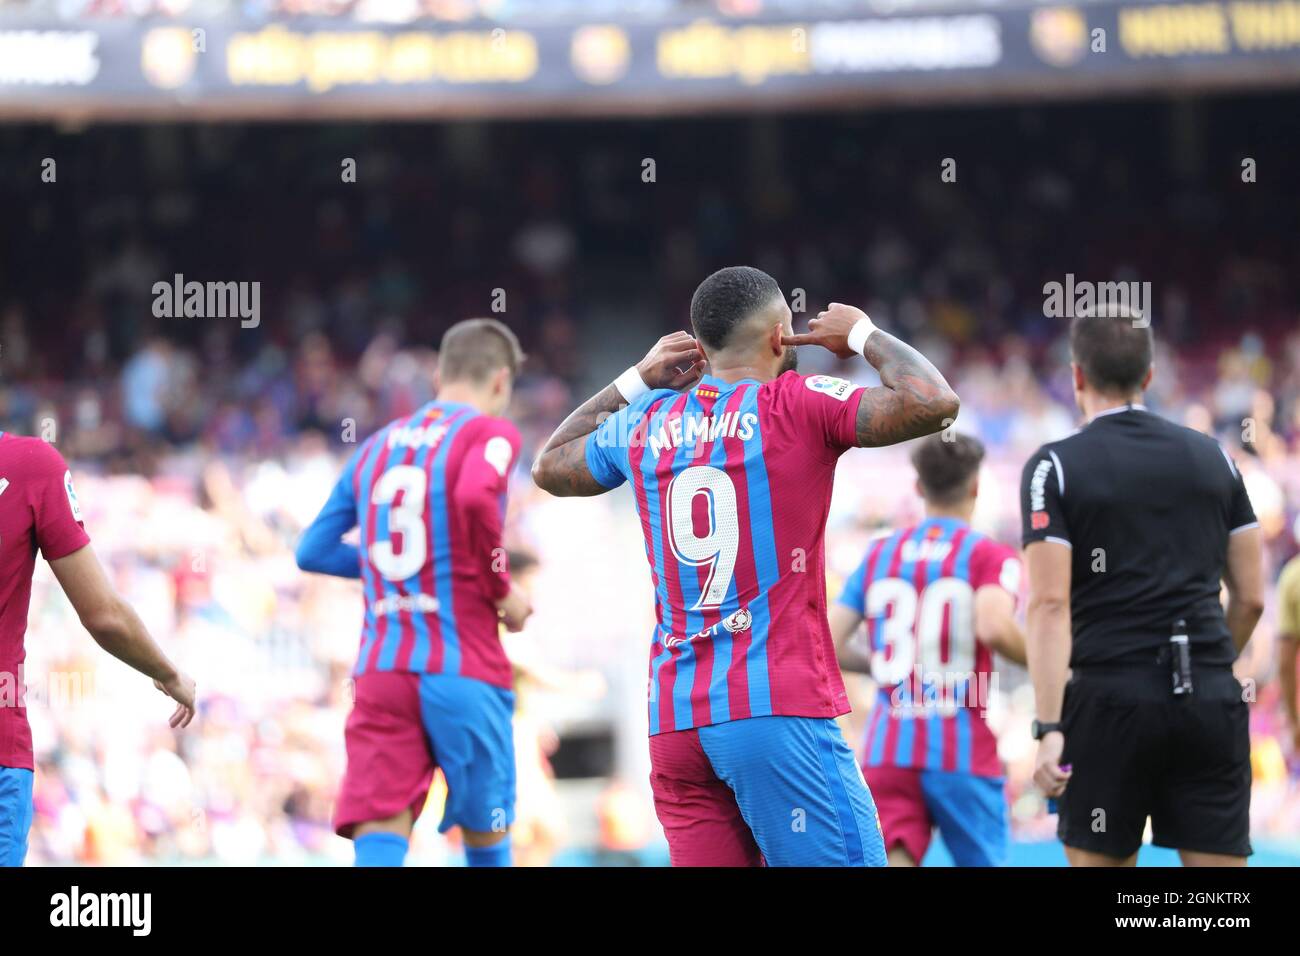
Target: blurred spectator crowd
{"x": 202, "y": 448}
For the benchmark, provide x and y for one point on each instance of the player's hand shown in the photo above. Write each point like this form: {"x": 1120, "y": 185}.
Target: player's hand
{"x": 179, "y": 688}
{"x": 675, "y": 361}
{"x": 830, "y": 330}
{"x": 1049, "y": 775}
{"x": 514, "y": 609}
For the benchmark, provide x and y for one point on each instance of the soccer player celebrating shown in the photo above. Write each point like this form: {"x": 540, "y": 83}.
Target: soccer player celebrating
{"x": 39, "y": 510}
{"x": 432, "y": 683}
{"x": 938, "y": 599}
{"x": 732, "y": 482}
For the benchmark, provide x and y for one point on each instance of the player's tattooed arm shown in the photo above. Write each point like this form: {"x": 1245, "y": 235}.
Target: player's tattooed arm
{"x": 561, "y": 466}
{"x": 913, "y": 398}
{"x": 675, "y": 362}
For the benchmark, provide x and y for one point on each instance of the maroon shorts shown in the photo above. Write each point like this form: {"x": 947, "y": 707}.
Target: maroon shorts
{"x": 698, "y": 812}
{"x": 900, "y": 802}
{"x": 405, "y": 725}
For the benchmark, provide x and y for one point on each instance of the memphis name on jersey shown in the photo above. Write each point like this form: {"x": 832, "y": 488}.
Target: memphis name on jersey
{"x": 694, "y": 431}
{"x": 732, "y": 485}
{"x": 916, "y": 592}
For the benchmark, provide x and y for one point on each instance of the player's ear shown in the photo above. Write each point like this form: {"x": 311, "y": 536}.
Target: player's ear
{"x": 1077, "y": 372}
{"x": 1146, "y": 379}
{"x": 774, "y": 338}
{"x": 501, "y": 381}
{"x": 917, "y": 485}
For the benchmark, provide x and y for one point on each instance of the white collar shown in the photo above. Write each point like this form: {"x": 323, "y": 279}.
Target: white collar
{"x": 1136, "y": 406}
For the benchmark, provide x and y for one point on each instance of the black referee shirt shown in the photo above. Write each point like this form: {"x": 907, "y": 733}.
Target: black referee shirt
{"x": 1146, "y": 507}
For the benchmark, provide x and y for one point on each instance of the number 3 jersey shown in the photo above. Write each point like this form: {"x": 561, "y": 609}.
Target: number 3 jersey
{"x": 732, "y": 483}
{"x": 916, "y": 591}
{"x": 427, "y": 495}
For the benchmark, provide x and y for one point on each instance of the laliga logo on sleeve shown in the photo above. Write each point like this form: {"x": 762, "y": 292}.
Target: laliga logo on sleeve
{"x": 72, "y": 496}
{"x": 837, "y": 388}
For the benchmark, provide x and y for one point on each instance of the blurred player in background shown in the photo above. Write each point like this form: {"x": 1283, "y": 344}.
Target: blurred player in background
{"x": 540, "y": 828}
{"x": 939, "y": 598}
{"x": 39, "y": 511}
{"x": 732, "y": 481}
{"x": 432, "y": 682}
{"x": 1288, "y": 629}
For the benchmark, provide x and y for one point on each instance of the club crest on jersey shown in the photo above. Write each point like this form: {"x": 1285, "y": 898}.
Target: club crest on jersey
{"x": 837, "y": 388}
{"x": 740, "y": 621}
{"x": 707, "y": 391}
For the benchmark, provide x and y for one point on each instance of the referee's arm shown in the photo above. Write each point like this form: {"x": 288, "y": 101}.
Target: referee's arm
{"x": 1048, "y": 554}
{"x": 1244, "y": 578}
{"x": 1243, "y": 572}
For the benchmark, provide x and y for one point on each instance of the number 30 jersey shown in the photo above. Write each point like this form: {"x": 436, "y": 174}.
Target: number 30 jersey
{"x": 916, "y": 591}
{"x": 427, "y": 494}
{"x": 732, "y": 484}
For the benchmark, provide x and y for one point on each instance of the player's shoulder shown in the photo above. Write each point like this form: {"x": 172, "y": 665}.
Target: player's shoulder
{"x": 652, "y": 400}
{"x": 993, "y": 561}
{"x": 891, "y": 538}
{"x": 1073, "y": 443}
{"x": 1052, "y": 458}
{"x": 1206, "y": 447}
{"x": 31, "y": 456}
{"x": 985, "y": 545}
{"x": 644, "y": 408}
{"x": 794, "y": 385}
{"x": 495, "y": 426}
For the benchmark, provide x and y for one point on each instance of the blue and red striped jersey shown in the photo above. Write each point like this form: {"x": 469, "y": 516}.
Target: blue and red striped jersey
{"x": 732, "y": 483}
{"x": 427, "y": 493}
{"x": 916, "y": 591}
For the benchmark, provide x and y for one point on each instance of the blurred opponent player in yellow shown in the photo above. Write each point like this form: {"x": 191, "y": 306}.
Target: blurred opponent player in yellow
{"x": 1288, "y": 629}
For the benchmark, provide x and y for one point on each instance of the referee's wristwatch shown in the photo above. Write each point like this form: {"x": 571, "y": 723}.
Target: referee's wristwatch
{"x": 1038, "y": 730}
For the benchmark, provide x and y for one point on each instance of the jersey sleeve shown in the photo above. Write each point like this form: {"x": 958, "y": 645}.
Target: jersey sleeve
{"x": 1241, "y": 514}
{"x": 1042, "y": 488}
{"x": 480, "y": 497}
{"x": 822, "y": 409}
{"x": 57, "y": 520}
{"x": 853, "y": 594}
{"x": 321, "y": 548}
{"x": 993, "y": 563}
{"x": 607, "y": 446}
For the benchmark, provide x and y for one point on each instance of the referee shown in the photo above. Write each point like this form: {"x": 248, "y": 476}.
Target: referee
{"x": 1130, "y": 525}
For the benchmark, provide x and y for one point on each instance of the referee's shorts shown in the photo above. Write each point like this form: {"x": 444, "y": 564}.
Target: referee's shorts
{"x": 1135, "y": 750}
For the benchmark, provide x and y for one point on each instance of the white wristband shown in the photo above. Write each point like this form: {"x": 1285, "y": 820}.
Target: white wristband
{"x": 630, "y": 385}
{"x": 859, "y": 334}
